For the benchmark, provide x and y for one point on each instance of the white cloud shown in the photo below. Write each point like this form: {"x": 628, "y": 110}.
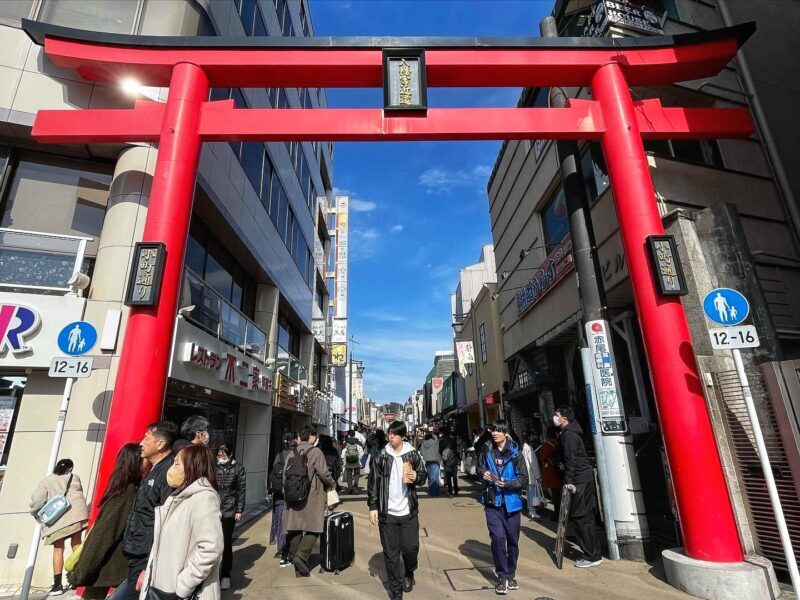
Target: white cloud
{"x": 441, "y": 180}
{"x": 370, "y": 234}
{"x": 362, "y": 205}
{"x": 396, "y": 229}
{"x": 356, "y": 204}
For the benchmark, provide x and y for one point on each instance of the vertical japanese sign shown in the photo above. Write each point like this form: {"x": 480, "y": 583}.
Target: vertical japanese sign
{"x": 340, "y": 280}
{"x": 667, "y": 265}
{"x": 144, "y": 283}
{"x": 604, "y": 373}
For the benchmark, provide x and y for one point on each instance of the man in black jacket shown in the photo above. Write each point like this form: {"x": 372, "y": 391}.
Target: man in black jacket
{"x": 448, "y": 450}
{"x": 393, "y": 507}
{"x": 579, "y": 474}
{"x": 154, "y": 490}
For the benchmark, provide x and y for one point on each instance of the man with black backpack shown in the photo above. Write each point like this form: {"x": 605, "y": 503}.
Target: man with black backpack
{"x": 351, "y": 458}
{"x": 448, "y": 450}
{"x": 277, "y": 535}
{"x": 305, "y": 481}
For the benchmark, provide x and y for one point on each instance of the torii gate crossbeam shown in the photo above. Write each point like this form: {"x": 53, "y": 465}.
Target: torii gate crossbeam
{"x": 191, "y": 66}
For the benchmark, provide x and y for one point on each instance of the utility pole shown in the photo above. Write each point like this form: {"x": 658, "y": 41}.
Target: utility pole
{"x": 624, "y": 512}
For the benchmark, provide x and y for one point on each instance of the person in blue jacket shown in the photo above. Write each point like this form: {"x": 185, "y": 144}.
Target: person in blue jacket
{"x": 505, "y": 475}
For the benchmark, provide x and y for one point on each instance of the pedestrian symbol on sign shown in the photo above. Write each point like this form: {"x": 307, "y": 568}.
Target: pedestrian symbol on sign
{"x": 726, "y": 306}
{"x": 77, "y": 338}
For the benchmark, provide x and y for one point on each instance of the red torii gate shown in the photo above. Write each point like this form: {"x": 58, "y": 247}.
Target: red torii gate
{"x": 190, "y": 66}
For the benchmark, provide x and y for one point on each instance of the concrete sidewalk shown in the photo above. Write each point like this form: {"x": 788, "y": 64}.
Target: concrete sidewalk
{"x": 455, "y": 561}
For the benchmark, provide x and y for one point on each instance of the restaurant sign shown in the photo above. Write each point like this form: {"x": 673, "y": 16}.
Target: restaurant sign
{"x": 626, "y": 14}
{"x": 558, "y": 263}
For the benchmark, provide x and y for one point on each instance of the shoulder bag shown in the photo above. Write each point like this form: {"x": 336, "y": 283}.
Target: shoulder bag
{"x": 55, "y": 507}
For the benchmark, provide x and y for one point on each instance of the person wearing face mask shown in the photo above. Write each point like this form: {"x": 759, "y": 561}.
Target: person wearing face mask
{"x": 188, "y": 541}
{"x": 505, "y": 475}
{"x": 232, "y": 481}
{"x": 194, "y": 430}
{"x": 579, "y": 474}
{"x": 138, "y": 537}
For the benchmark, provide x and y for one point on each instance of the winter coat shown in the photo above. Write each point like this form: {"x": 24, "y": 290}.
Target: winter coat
{"x": 101, "y": 563}
{"x": 187, "y": 544}
{"x": 551, "y": 478}
{"x": 572, "y": 452}
{"x": 534, "y": 474}
{"x": 278, "y": 463}
{"x": 138, "y": 538}
{"x": 53, "y": 485}
{"x": 334, "y": 463}
{"x": 449, "y": 442}
{"x": 309, "y": 514}
{"x": 232, "y": 481}
{"x": 380, "y": 472}
{"x": 354, "y": 441}
{"x": 430, "y": 450}
{"x": 509, "y": 465}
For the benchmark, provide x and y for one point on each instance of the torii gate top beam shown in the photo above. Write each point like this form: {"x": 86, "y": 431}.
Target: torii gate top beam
{"x": 357, "y": 61}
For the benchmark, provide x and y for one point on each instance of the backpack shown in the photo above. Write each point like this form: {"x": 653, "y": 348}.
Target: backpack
{"x": 276, "y": 477}
{"x": 351, "y": 455}
{"x": 296, "y": 484}
{"x": 447, "y": 456}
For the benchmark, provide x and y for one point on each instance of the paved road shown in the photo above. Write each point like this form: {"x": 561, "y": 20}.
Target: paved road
{"x": 455, "y": 562}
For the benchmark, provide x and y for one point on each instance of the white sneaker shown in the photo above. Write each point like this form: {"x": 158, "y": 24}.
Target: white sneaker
{"x": 225, "y": 583}
{"x": 586, "y": 564}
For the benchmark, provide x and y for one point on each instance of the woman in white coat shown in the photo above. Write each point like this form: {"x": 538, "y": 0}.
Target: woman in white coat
{"x": 534, "y": 494}
{"x": 187, "y": 541}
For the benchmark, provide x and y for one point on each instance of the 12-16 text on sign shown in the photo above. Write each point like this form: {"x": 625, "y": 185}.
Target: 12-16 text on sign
{"x": 71, "y": 366}
{"x": 728, "y": 338}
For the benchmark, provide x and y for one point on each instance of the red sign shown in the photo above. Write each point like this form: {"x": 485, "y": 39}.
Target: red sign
{"x": 493, "y": 398}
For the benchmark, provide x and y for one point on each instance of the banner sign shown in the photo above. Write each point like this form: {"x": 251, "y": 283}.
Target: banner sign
{"x": 341, "y": 257}
{"x": 338, "y": 355}
{"x": 544, "y": 279}
{"x": 339, "y": 331}
{"x": 612, "y": 414}
{"x": 667, "y": 265}
{"x": 624, "y": 14}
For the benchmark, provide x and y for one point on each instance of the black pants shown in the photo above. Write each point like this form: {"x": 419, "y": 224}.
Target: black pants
{"x": 135, "y": 568}
{"x": 301, "y": 544}
{"x": 582, "y": 509}
{"x": 400, "y": 541}
{"x": 451, "y": 479}
{"x": 228, "y": 523}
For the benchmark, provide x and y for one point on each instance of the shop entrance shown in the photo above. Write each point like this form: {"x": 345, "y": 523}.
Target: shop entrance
{"x": 609, "y": 68}
{"x": 222, "y": 415}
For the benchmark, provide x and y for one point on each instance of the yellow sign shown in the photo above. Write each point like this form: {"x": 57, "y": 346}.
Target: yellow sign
{"x": 341, "y": 220}
{"x": 339, "y": 355}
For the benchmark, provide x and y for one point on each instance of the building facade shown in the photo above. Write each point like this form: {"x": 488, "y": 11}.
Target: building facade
{"x": 734, "y": 223}
{"x": 256, "y": 262}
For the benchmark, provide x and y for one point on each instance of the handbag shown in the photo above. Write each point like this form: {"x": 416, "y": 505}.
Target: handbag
{"x": 55, "y": 507}
{"x": 535, "y": 494}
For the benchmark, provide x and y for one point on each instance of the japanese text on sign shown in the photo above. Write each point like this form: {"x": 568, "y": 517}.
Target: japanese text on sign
{"x": 145, "y": 280}
{"x": 230, "y": 368}
{"x": 667, "y": 266}
{"x": 611, "y": 413}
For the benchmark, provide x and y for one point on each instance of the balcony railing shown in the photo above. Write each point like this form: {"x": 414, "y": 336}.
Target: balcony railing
{"x": 213, "y": 313}
{"x": 290, "y": 366}
{"x": 40, "y": 262}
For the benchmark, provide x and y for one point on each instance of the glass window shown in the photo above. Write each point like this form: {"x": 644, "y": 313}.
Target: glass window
{"x": 14, "y": 10}
{"x": 595, "y": 174}
{"x": 555, "y": 220}
{"x": 55, "y": 195}
{"x": 283, "y": 214}
{"x": 217, "y": 277}
{"x": 704, "y": 152}
{"x": 195, "y": 256}
{"x": 11, "y": 390}
{"x": 247, "y": 15}
{"x": 290, "y": 229}
{"x": 296, "y": 241}
{"x": 260, "y": 30}
{"x": 482, "y": 334}
{"x": 238, "y": 98}
{"x": 219, "y": 94}
{"x": 266, "y": 178}
{"x": 95, "y": 15}
{"x": 252, "y": 163}
{"x": 275, "y": 196}
{"x": 286, "y": 20}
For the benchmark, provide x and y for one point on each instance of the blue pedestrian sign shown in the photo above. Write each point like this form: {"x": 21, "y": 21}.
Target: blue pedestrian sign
{"x": 77, "y": 338}
{"x": 726, "y": 306}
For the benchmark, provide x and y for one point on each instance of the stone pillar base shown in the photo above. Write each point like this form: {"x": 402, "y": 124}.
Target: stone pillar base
{"x": 753, "y": 579}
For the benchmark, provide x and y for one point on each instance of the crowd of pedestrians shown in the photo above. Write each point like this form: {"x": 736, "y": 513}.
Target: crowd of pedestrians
{"x": 166, "y": 520}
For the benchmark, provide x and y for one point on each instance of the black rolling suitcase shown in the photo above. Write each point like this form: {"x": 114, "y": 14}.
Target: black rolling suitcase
{"x": 337, "y": 544}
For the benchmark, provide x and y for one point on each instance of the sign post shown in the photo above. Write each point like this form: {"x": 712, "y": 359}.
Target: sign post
{"x": 730, "y": 308}
{"x": 75, "y": 339}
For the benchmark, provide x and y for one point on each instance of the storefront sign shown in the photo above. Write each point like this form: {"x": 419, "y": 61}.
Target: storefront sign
{"x": 338, "y": 355}
{"x": 17, "y": 322}
{"x": 318, "y": 328}
{"x": 144, "y": 283}
{"x": 612, "y": 415}
{"x": 404, "y": 85}
{"x": 667, "y": 265}
{"x": 544, "y": 279}
{"x": 341, "y": 257}
{"x": 228, "y": 367}
{"x": 493, "y": 398}
{"x": 29, "y": 328}
{"x": 621, "y": 13}
{"x": 339, "y": 331}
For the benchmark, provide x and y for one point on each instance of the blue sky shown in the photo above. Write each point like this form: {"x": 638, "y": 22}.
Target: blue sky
{"x": 418, "y": 211}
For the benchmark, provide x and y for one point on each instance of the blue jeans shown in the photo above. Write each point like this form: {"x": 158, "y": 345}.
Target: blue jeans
{"x": 433, "y": 477}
